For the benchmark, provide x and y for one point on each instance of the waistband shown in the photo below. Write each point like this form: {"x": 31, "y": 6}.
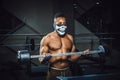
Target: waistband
{"x": 59, "y": 69}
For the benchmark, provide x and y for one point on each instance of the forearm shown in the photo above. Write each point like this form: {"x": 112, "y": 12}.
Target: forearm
{"x": 75, "y": 57}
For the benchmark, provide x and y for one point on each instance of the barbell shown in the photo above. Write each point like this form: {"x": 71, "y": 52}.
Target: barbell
{"x": 24, "y": 55}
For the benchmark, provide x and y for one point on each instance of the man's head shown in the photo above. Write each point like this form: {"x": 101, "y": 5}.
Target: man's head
{"x": 60, "y": 24}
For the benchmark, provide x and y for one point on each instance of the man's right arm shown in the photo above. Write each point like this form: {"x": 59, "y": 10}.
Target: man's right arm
{"x": 44, "y": 49}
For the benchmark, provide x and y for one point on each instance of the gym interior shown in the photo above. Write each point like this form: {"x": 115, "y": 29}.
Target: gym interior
{"x": 23, "y": 23}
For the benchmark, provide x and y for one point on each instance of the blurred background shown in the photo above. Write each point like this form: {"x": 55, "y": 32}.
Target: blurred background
{"x": 23, "y": 23}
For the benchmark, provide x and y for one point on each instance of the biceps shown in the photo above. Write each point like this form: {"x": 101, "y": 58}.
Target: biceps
{"x": 73, "y": 48}
{"x": 44, "y": 50}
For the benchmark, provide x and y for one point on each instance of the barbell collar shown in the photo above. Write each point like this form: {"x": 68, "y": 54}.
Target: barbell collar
{"x": 23, "y": 56}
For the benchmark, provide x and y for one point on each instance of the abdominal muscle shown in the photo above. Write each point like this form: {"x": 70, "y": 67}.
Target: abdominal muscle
{"x": 59, "y": 62}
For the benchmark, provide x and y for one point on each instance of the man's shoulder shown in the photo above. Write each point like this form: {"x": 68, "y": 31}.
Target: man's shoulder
{"x": 45, "y": 39}
{"x": 69, "y": 35}
{"x": 47, "y": 36}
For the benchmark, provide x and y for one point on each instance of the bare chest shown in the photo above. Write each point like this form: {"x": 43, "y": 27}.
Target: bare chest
{"x": 61, "y": 44}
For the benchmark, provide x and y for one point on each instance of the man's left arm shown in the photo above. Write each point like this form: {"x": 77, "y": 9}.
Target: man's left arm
{"x": 76, "y": 57}
{"x": 73, "y": 49}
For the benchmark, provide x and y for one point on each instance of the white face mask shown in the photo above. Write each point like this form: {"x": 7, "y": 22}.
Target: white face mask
{"x": 60, "y": 29}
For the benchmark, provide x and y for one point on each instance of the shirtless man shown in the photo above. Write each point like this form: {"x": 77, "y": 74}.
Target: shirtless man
{"x": 55, "y": 42}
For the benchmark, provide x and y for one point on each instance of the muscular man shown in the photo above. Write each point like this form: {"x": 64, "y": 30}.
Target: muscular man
{"x": 55, "y": 42}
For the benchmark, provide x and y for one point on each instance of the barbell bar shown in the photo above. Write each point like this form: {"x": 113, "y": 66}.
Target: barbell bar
{"x": 24, "y": 55}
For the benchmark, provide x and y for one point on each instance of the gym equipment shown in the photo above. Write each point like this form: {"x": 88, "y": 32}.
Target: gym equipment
{"x": 24, "y": 55}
